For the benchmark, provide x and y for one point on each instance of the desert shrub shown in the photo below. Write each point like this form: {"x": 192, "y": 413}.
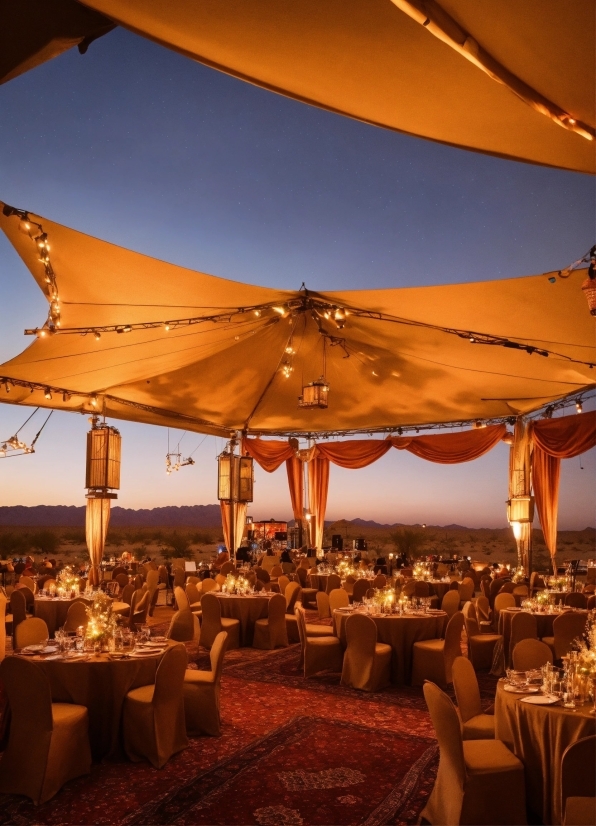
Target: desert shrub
{"x": 202, "y": 538}
{"x": 115, "y": 538}
{"x": 139, "y": 552}
{"x": 408, "y": 542}
{"x": 75, "y": 535}
{"x": 46, "y": 542}
{"x": 13, "y": 544}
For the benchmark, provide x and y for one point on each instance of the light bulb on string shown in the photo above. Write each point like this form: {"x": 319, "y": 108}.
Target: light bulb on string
{"x": 47, "y": 393}
{"x": 578, "y": 405}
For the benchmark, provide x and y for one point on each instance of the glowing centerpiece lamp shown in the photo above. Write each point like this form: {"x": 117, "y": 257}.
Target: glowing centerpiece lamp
{"x": 234, "y": 491}
{"x": 101, "y": 621}
{"x": 102, "y": 478}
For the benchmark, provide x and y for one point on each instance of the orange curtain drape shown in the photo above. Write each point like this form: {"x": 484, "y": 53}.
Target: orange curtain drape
{"x": 355, "y": 453}
{"x": 318, "y": 486}
{"x": 239, "y": 524}
{"x": 268, "y": 454}
{"x": 553, "y": 440}
{"x": 295, "y": 470}
{"x": 452, "y": 448}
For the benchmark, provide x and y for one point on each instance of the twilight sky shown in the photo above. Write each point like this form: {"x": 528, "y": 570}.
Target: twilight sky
{"x": 144, "y": 148}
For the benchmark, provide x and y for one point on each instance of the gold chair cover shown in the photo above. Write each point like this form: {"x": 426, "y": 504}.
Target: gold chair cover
{"x": 480, "y": 646}
{"x": 323, "y": 605}
{"x": 530, "y": 654}
{"x": 272, "y": 632}
{"x": 317, "y": 653}
{"x": 153, "y": 716}
{"x": 523, "y": 627}
{"x": 31, "y": 631}
{"x": 450, "y": 602}
{"x": 475, "y": 724}
{"x": 213, "y": 622}
{"x": 201, "y": 692}
{"x": 578, "y": 783}
{"x": 566, "y": 628}
{"x": 433, "y": 659}
{"x": 338, "y": 598}
{"x": 75, "y": 617}
{"x": 182, "y": 628}
{"x": 367, "y": 663}
{"x": 48, "y": 743}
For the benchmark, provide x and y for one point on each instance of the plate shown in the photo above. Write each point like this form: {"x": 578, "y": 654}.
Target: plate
{"x": 76, "y": 657}
{"x": 541, "y": 700}
{"x": 345, "y": 610}
{"x": 528, "y": 689}
{"x": 144, "y": 654}
{"x": 49, "y": 649}
{"x": 159, "y": 639}
{"x": 32, "y": 649}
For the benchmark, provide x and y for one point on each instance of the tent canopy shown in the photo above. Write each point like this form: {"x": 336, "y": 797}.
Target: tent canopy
{"x": 508, "y": 78}
{"x": 400, "y": 357}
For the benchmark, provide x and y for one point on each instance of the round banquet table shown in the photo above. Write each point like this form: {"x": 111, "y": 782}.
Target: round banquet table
{"x": 248, "y": 609}
{"x": 319, "y": 581}
{"x": 53, "y": 611}
{"x": 100, "y": 684}
{"x": 539, "y": 735}
{"x": 400, "y": 632}
{"x": 544, "y": 621}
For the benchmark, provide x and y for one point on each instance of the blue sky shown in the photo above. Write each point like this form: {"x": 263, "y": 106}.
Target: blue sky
{"x": 149, "y": 150}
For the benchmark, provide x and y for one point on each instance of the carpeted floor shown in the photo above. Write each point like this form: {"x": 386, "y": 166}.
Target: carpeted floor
{"x": 292, "y": 751}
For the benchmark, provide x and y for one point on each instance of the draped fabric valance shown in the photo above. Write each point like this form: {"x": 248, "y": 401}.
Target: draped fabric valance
{"x": 444, "y": 448}
{"x": 553, "y": 440}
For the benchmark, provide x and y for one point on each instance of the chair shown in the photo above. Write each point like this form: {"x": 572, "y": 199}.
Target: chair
{"x": 317, "y": 653}
{"x": 521, "y": 591}
{"x": 208, "y": 585}
{"x": 566, "y": 627}
{"x": 367, "y": 663}
{"x": 308, "y": 594}
{"x": 524, "y": 626}
{"x": 292, "y": 594}
{"x": 323, "y": 605}
{"x": 421, "y": 589}
{"x": 48, "y": 743}
{"x": 578, "y": 783}
{"x": 201, "y": 690}
{"x": 29, "y": 598}
{"x": 485, "y": 586}
{"x": 576, "y": 600}
{"x": 475, "y": 724}
{"x": 193, "y": 596}
{"x": 380, "y": 581}
{"x": 360, "y": 588}
{"x": 184, "y": 627}
{"x": 220, "y": 580}
{"x": 276, "y": 572}
{"x": 213, "y": 623}
{"x": 3, "y": 620}
{"x": 27, "y": 582}
{"x": 409, "y": 589}
{"x": 182, "y": 601}
{"x": 483, "y": 614}
{"x": 288, "y": 568}
{"x": 591, "y": 604}
{"x": 480, "y": 646}
{"x": 333, "y": 582}
{"x": 433, "y": 659}
{"x": 530, "y": 654}
{"x": 466, "y": 589}
{"x": 495, "y": 587}
{"x": 18, "y": 609}
{"x": 153, "y": 715}
{"x": 226, "y": 568}
{"x": 117, "y": 571}
{"x": 263, "y": 576}
{"x": 502, "y": 600}
{"x": 450, "y": 602}
{"x": 75, "y": 617}
{"x": 478, "y": 782}
{"x": 179, "y": 577}
{"x": 283, "y": 581}
{"x": 272, "y": 632}
{"x": 536, "y": 582}
{"x": 31, "y": 631}
{"x": 338, "y": 598}
{"x": 138, "y": 609}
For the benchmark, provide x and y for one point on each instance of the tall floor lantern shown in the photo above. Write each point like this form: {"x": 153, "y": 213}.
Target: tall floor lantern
{"x": 234, "y": 491}
{"x": 101, "y": 479}
{"x": 520, "y": 505}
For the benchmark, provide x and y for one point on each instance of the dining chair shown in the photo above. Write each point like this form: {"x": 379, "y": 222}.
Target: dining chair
{"x": 208, "y": 585}
{"x": 476, "y": 783}
{"x": 380, "y": 581}
{"x": 138, "y": 609}
{"x": 367, "y": 663}
{"x": 184, "y": 627}
{"x": 213, "y": 623}
{"x": 201, "y": 691}
{"x": 220, "y": 580}
{"x": 226, "y": 568}
{"x": 182, "y": 601}
{"x": 321, "y": 653}
{"x": 194, "y": 596}
{"x": 333, "y": 582}
{"x": 263, "y": 575}
{"x": 409, "y": 589}
{"x": 476, "y": 725}
{"x": 308, "y": 594}
{"x": 483, "y": 614}
{"x": 48, "y": 743}
{"x": 153, "y": 723}
{"x": 566, "y": 628}
{"x": 466, "y": 590}
{"x": 521, "y": 592}
{"x": 27, "y": 582}
{"x": 421, "y": 589}
{"x": 127, "y": 592}
{"x": 578, "y": 783}
{"x": 576, "y": 600}
{"x": 31, "y": 631}
{"x": 524, "y": 626}
{"x": 29, "y": 598}
{"x": 276, "y": 572}
{"x": 480, "y": 646}
{"x": 272, "y": 632}
{"x": 361, "y": 586}
{"x": 292, "y": 593}
{"x": 323, "y": 605}
{"x": 179, "y": 577}
{"x": 502, "y": 600}
{"x": 3, "y": 621}
{"x": 338, "y": 598}
{"x": 530, "y": 654}
{"x": 75, "y": 617}
{"x": 450, "y": 602}
{"x": 433, "y": 659}
{"x": 283, "y": 581}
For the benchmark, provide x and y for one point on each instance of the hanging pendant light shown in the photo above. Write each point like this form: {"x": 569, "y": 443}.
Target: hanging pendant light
{"x": 314, "y": 394}
{"x": 589, "y": 285}
{"x": 104, "y": 445}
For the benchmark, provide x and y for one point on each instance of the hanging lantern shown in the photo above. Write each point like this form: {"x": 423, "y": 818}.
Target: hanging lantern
{"x": 235, "y": 478}
{"x": 589, "y": 285}
{"x": 520, "y": 509}
{"x": 103, "y": 460}
{"x": 314, "y": 394}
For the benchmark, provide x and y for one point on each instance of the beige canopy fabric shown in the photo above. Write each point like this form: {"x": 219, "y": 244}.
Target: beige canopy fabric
{"x": 235, "y": 356}
{"x": 508, "y": 78}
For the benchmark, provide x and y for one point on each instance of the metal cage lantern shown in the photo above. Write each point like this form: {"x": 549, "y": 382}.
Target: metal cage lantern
{"x": 235, "y": 478}
{"x": 315, "y": 394}
{"x": 589, "y": 288}
{"x": 103, "y": 459}
{"x": 520, "y": 509}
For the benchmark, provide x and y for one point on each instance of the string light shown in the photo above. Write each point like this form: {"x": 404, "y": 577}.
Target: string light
{"x": 578, "y": 405}
{"x": 48, "y": 393}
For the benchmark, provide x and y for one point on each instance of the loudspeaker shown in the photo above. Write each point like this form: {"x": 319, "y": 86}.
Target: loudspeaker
{"x": 360, "y": 544}
{"x": 250, "y": 535}
{"x": 337, "y": 542}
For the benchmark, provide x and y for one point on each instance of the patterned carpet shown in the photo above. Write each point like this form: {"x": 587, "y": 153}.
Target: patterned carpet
{"x": 293, "y": 752}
